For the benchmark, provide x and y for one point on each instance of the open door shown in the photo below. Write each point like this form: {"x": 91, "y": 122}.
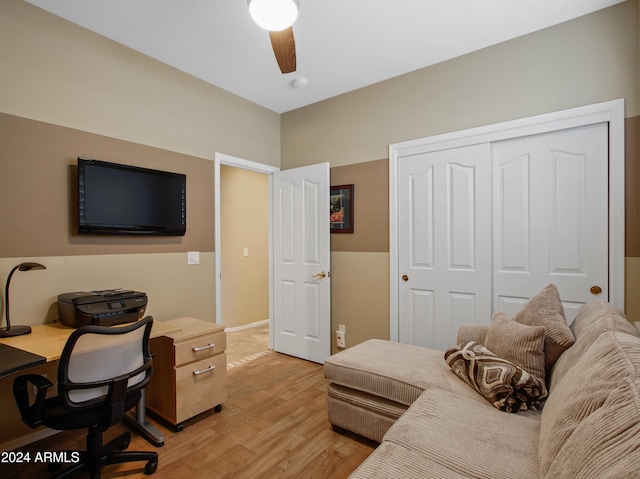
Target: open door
{"x": 301, "y": 263}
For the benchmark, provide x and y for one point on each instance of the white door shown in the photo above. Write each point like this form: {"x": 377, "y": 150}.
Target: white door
{"x": 444, "y": 240}
{"x": 551, "y": 217}
{"x": 301, "y": 263}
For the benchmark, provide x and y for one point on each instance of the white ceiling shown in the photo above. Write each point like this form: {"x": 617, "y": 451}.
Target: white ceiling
{"x": 341, "y": 45}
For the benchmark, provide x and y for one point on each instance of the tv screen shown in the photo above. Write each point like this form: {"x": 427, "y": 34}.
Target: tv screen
{"x": 122, "y": 199}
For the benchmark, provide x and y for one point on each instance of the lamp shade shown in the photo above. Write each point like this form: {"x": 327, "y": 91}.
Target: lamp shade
{"x": 274, "y": 15}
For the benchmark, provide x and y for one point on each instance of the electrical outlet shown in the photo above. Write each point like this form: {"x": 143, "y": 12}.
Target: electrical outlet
{"x": 340, "y": 339}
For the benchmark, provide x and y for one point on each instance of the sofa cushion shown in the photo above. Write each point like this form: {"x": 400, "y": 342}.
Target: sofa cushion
{"x": 468, "y": 438}
{"x": 502, "y": 383}
{"x": 521, "y": 344}
{"x": 394, "y": 461}
{"x": 545, "y": 309}
{"x": 591, "y": 422}
{"x": 599, "y": 317}
{"x": 395, "y": 371}
{"x": 472, "y": 332}
{"x": 362, "y": 413}
{"x": 592, "y": 320}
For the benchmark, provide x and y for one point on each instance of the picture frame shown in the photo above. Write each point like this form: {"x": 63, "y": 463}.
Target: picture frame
{"x": 341, "y": 209}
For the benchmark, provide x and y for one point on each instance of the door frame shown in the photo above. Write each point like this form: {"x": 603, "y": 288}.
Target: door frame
{"x": 222, "y": 159}
{"x": 610, "y": 111}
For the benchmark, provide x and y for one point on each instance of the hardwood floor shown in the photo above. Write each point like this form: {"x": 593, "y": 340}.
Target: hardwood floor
{"x": 274, "y": 425}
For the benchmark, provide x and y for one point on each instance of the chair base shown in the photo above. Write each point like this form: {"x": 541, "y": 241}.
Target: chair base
{"x": 97, "y": 456}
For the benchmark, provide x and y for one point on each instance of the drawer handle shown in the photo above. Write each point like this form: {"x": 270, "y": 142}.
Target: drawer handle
{"x": 210, "y": 368}
{"x": 202, "y": 348}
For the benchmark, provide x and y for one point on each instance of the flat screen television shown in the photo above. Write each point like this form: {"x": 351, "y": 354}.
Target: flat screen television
{"x": 123, "y": 199}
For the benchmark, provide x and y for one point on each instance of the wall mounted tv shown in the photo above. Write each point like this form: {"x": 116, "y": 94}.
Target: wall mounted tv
{"x": 122, "y": 199}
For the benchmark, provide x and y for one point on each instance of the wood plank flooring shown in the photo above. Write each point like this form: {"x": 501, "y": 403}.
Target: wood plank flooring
{"x": 274, "y": 425}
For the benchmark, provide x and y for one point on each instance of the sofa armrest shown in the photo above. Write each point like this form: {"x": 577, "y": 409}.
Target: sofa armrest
{"x": 472, "y": 332}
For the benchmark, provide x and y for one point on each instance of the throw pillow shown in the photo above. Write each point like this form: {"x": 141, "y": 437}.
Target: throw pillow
{"x": 545, "y": 309}
{"x": 502, "y": 383}
{"x": 521, "y": 344}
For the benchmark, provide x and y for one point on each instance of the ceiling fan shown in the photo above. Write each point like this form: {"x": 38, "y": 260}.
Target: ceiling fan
{"x": 277, "y": 16}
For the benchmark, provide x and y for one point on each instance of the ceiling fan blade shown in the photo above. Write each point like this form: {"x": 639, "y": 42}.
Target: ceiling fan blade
{"x": 284, "y": 48}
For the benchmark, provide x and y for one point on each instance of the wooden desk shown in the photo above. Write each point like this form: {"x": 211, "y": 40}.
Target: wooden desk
{"x": 48, "y": 340}
{"x": 15, "y": 359}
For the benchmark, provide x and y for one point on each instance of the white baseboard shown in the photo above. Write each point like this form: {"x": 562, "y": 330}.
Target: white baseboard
{"x": 246, "y": 326}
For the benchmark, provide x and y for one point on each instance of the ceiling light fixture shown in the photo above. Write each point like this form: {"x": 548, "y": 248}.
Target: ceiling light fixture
{"x": 274, "y": 15}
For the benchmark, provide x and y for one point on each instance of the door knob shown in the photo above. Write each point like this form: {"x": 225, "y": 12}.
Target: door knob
{"x": 320, "y": 275}
{"x": 595, "y": 290}
{"x": 405, "y": 278}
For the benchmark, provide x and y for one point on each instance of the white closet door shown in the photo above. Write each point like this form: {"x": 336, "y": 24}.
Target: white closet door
{"x": 444, "y": 244}
{"x": 550, "y": 217}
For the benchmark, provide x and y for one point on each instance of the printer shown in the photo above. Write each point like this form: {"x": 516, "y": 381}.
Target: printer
{"x": 101, "y": 308}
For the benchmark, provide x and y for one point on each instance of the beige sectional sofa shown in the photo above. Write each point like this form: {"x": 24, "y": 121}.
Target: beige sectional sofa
{"x": 433, "y": 422}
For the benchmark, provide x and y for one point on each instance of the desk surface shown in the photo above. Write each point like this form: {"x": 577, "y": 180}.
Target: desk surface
{"x": 48, "y": 340}
{"x": 14, "y": 359}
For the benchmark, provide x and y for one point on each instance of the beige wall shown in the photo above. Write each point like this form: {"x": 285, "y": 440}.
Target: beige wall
{"x": 588, "y": 60}
{"x": 60, "y": 73}
{"x": 95, "y": 98}
{"x": 360, "y": 295}
{"x": 244, "y": 223}
{"x": 38, "y": 177}
{"x": 173, "y": 287}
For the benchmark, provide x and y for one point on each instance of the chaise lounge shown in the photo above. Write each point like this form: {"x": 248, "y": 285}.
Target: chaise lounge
{"x": 578, "y": 415}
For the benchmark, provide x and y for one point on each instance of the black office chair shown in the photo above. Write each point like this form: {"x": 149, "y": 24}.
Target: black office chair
{"x": 101, "y": 373}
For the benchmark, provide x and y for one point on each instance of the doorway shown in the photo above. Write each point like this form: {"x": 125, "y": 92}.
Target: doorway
{"x": 244, "y": 242}
{"x": 239, "y": 168}
{"x": 305, "y": 218}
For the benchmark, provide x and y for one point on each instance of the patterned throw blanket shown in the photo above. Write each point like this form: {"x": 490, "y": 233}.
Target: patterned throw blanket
{"x": 502, "y": 383}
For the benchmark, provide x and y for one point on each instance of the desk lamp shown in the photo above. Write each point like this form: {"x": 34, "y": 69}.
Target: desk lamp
{"x": 16, "y": 330}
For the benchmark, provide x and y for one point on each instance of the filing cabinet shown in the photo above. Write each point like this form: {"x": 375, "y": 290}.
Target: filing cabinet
{"x": 189, "y": 371}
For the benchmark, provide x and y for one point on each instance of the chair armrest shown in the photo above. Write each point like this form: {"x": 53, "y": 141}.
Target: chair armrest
{"x": 472, "y": 332}
{"x": 31, "y": 414}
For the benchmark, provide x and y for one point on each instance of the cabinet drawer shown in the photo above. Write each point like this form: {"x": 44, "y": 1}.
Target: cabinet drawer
{"x": 200, "y": 386}
{"x": 200, "y": 347}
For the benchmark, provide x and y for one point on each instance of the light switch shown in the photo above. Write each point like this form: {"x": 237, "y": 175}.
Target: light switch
{"x": 193, "y": 257}
{"x": 246, "y": 251}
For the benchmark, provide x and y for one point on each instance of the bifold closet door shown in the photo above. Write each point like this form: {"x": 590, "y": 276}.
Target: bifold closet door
{"x": 551, "y": 217}
{"x": 444, "y": 237}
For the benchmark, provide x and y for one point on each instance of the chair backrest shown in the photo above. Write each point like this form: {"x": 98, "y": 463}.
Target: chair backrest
{"x": 97, "y": 358}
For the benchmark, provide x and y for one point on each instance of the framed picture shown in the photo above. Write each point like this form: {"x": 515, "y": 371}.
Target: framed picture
{"x": 341, "y": 209}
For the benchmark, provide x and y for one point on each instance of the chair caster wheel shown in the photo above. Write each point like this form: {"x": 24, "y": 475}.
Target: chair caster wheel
{"x": 123, "y": 445}
{"x": 218, "y": 408}
{"x": 150, "y": 467}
